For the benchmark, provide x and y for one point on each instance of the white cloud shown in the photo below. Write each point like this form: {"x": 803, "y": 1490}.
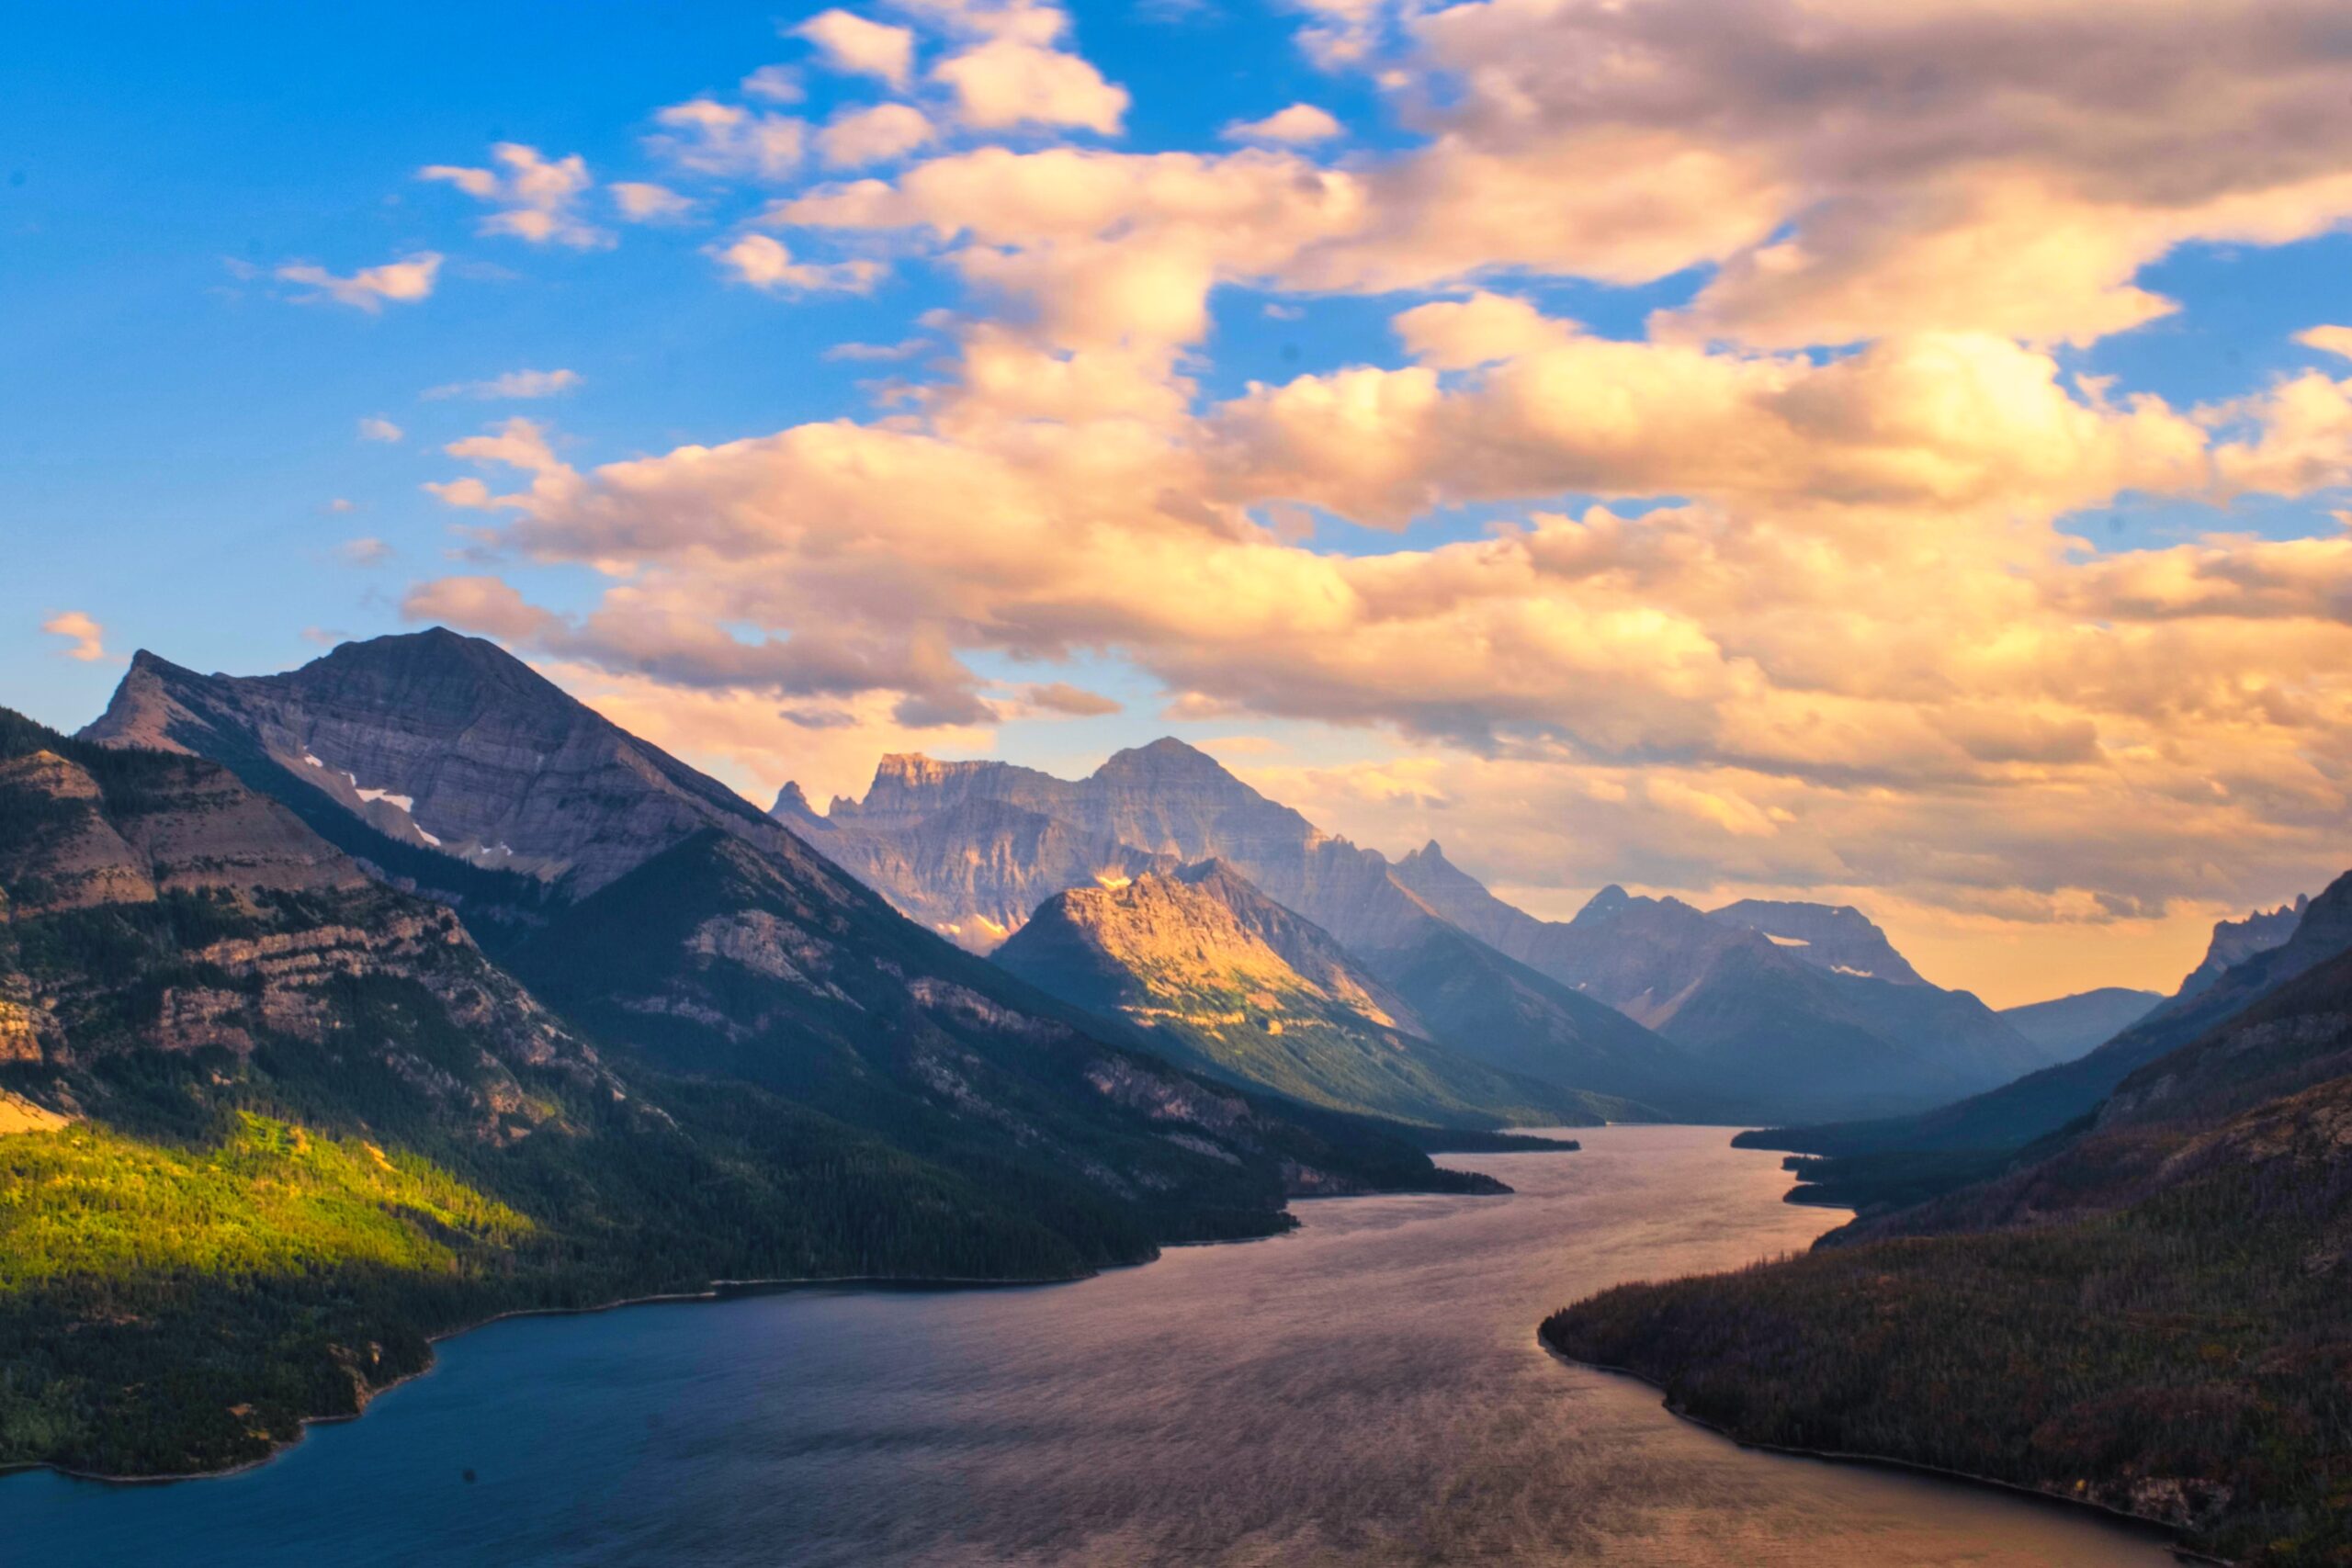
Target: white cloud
{"x": 1007, "y": 81}
{"x": 905, "y": 348}
{"x": 376, "y": 427}
{"x": 1295, "y": 126}
{"x": 850, "y": 42}
{"x": 365, "y": 552}
{"x": 538, "y": 198}
{"x": 725, "y": 139}
{"x": 404, "y": 282}
{"x": 640, "y": 201}
{"x": 512, "y": 384}
{"x": 775, "y": 85}
{"x": 765, "y": 263}
{"x": 875, "y": 135}
{"x": 87, "y": 636}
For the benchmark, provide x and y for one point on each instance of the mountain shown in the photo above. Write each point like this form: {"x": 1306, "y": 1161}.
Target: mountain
{"x": 2149, "y": 1310}
{"x": 271, "y": 1124}
{"x": 692, "y": 1050}
{"x": 2234, "y": 941}
{"x": 2068, "y": 1026}
{"x": 2015, "y": 1115}
{"x": 1784, "y": 1003}
{"x": 1223, "y": 978}
{"x": 934, "y": 837}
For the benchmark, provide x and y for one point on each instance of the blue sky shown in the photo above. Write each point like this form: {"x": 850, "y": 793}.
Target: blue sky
{"x": 182, "y": 458}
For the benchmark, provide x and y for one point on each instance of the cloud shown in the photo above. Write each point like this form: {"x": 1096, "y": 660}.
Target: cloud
{"x": 1786, "y": 592}
{"x": 1295, "y": 126}
{"x": 905, "y": 348}
{"x": 1059, "y": 696}
{"x": 404, "y": 282}
{"x": 874, "y": 135}
{"x": 376, "y": 427}
{"x": 1015, "y": 77}
{"x": 851, "y": 43}
{"x": 2328, "y": 340}
{"x": 87, "y": 636}
{"x": 365, "y": 552}
{"x": 774, "y": 84}
{"x": 706, "y": 137}
{"x": 765, "y": 263}
{"x": 642, "y": 202}
{"x": 512, "y": 384}
{"x": 536, "y": 197}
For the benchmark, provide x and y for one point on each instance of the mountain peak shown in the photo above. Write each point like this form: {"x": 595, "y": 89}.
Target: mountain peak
{"x": 1607, "y": 901}
{"x": 1166, "y": 757}
{"x": 792, "y": 803}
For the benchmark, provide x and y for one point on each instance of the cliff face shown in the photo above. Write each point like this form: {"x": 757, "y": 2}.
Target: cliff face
{"x": 1216, "y": 972}
{"x": 157, "y": 905}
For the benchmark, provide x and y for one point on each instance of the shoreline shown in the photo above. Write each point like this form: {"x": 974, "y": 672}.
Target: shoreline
{"x": 2170, "y": 1532}
{"x": 717, "y": 1290}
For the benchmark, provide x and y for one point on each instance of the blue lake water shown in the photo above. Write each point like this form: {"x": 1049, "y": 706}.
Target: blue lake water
{"x": 1366, "y": 1390}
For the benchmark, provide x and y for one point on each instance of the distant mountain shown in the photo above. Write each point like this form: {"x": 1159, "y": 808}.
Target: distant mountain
{"x": 1784, "y": 1002}
{"x": 2146, "y": 1310}
{"x": 2067, "y": 1026}
{"x": 934, "y": 838}
{"x": 1221, "y": 977}
{"x": 2234, "y": 941}
{"x": 2032, "y": 1107}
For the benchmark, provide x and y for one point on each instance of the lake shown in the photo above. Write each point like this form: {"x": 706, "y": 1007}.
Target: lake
{"x": 1367, "y": 1389}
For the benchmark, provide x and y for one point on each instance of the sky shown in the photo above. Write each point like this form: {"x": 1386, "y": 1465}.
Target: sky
{"x": 1817, "y": 449}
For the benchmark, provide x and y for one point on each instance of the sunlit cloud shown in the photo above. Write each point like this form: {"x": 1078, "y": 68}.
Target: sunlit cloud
{"x": 512, "y": 385}
{"x": 536, "y": 197}
{"x": 402, "y": 282}
{"x": 87, "y": 635}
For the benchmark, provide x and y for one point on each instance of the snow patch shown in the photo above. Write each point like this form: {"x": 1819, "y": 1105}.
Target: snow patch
{"x": 1786, "y": 941}
{"x": 1856, "y": 974}
{"x": 313, "y": 761}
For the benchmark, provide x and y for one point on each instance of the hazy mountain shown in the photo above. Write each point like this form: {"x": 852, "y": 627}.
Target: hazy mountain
{"x": 2234, "y": 941}
{"x": 1221, "y": 975}
{"x": 925, "y": 825}
{"x": 1838, "y": 939}
{"x": 2068, "y": 1026}
{"x": 2040, "y": 1103}
{"x": 2146, "y": 1310}
{"x": 1785, "y": 1002}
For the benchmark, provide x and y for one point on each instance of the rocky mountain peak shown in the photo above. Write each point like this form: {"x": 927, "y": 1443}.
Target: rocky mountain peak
{"x": 1838, "y": 938}
{"x": 792, "y": 803}
{"x": 1165, "y": 760}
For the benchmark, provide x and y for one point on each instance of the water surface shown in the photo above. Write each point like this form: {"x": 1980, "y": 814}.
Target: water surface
{"x": 1367, "y": 1389}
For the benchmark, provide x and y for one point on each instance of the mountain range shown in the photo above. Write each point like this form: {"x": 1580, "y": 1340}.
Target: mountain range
{"x": 370, "y": 1000}
{"x": 1756, "y": 1010}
